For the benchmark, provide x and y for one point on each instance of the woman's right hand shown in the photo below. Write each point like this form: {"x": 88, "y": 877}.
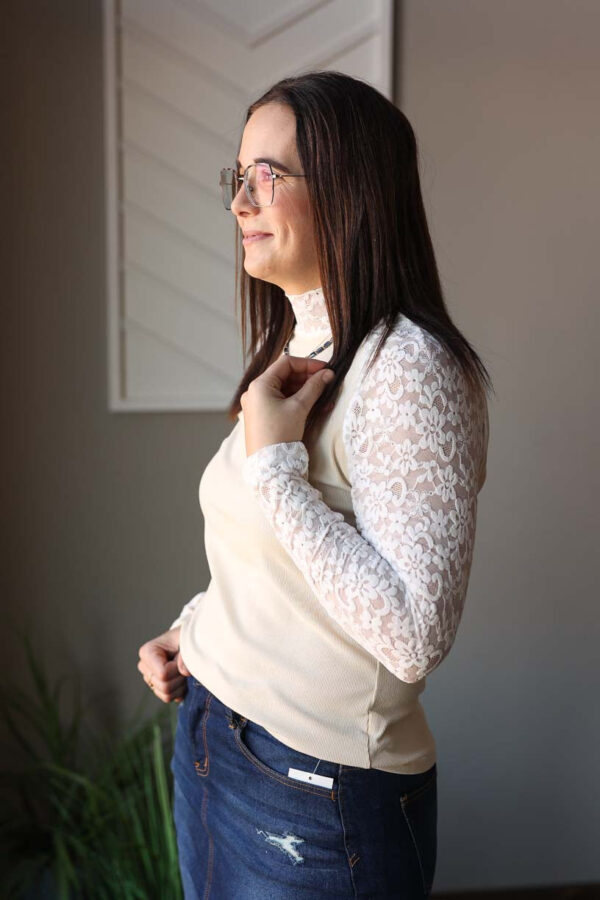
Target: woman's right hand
{"x": 162, "y": 667}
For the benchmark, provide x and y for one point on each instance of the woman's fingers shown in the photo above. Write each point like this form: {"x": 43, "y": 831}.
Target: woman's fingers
{"x": 293, "y": 366}
{"x": 164, "y": 673}
{"x": 174, "y": 695}
{"x": 181, "y": 666}
{"x": 170, "y": 669}
{"x": 166, "y": 686}
{"x": 158, "y": 666}
{"x": 288, "y": 371}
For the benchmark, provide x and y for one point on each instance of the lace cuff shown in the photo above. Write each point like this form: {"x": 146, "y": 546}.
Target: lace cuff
{"x": 187, "y": 610}
{"x": 263, "y": 466}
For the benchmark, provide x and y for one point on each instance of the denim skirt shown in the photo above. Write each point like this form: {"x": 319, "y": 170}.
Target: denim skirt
{"x": 248, "y": 830}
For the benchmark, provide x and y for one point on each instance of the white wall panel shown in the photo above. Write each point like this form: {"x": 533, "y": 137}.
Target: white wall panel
{"x": 179, "y": 75}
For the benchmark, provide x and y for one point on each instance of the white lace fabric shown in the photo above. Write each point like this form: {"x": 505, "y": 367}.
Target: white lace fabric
{"x": 187, "y": 610}
{"x": 310, "y": 311}
{"x": 416, "y": 442}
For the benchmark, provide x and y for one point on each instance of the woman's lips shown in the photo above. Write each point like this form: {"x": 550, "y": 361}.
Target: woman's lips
{"x": 255, "y": 237}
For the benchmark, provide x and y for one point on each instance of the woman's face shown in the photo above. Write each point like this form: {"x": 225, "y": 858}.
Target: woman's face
{"x": 288, "y": 256}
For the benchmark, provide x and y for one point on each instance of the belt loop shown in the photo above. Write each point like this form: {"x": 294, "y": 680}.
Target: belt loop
{"x": 235, "y": 718}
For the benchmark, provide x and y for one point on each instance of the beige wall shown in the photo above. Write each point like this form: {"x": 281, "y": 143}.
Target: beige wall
{"x": 504, "y": 97}
{"x": 105, "y": 536}
{"x": 106, "y": 530}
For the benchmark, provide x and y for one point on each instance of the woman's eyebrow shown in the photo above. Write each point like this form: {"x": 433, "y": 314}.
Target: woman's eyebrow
{"x": 267, "y": 159}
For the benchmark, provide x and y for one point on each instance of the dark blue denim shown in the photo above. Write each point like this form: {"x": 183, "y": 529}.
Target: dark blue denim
{"x": 248, "y": 831}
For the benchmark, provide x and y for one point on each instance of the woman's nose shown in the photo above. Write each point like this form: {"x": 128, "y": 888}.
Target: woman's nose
{"x": 240, "y": 202}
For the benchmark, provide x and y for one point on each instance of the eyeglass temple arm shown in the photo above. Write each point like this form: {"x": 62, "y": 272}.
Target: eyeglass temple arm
{"x": 276, "y": 175}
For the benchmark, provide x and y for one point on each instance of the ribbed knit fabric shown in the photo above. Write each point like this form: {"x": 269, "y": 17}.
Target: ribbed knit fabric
{"x": 339, "y": 570}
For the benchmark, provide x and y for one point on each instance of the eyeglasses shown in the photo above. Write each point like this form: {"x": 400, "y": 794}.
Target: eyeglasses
{"x": 259, "y": 183}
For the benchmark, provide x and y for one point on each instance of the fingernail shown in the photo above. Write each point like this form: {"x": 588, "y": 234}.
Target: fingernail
{"x": 328, "y": 375}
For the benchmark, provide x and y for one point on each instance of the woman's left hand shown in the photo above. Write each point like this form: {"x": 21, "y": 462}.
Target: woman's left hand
{"x": 277, "y": 403}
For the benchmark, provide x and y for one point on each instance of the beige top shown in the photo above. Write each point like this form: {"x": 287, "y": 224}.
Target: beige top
{"x": 339, "y": 570}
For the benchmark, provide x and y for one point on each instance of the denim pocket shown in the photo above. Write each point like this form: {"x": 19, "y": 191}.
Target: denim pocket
{"x": 419, "y": 808}
{"x": 273, "y": 758}
{"x": 197, "y": 710}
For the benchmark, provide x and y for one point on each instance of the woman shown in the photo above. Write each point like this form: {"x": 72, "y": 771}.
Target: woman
{"x": 340, "y": 521}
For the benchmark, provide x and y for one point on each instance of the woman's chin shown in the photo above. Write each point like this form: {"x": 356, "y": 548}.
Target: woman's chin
{"x": 255, "y": 270}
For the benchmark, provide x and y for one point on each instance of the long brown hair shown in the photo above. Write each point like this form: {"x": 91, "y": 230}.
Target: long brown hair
{"x": 376, "y": 259}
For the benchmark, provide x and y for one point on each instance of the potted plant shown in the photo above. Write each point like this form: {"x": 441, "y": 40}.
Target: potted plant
{"x": 84, "y": 816}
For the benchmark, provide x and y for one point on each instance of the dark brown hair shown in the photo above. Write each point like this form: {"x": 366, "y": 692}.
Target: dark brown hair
{"x": 376, "y": 259}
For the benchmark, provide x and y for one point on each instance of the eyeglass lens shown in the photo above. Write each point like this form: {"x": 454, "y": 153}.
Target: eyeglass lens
{"x": 259, "y": 183}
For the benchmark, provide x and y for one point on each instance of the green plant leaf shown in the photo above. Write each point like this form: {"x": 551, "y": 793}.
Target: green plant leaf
{"x": 92, "y": 809}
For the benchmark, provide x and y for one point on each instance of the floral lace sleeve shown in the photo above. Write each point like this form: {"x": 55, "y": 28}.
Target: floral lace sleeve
{"x": 187, "y": 610}
{"x": 416, "y": 444}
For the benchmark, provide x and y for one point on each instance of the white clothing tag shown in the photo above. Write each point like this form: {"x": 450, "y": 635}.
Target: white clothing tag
{"x": 310, "y": 777}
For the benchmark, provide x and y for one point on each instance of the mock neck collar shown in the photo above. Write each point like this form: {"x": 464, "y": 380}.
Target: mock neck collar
{"x": 310, "y": 311}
